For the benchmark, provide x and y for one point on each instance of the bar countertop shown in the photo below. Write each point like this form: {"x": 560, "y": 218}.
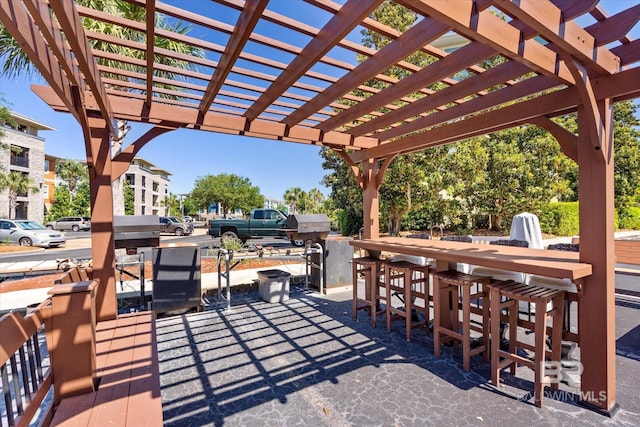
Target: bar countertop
{"x": 543, "y": 262}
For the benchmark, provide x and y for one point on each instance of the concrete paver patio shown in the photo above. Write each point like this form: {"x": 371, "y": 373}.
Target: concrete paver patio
{"x": 306, "y": 362}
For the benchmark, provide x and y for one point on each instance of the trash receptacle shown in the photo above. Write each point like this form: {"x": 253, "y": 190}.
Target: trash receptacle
{"x": 274, "y": 285}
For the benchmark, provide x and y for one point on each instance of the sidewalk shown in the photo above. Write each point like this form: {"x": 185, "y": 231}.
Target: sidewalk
{"x": 18, "y": 300}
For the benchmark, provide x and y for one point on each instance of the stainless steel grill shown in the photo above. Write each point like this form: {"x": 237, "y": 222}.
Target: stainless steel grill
{"x": 314, "y": 227}
{"x": 136, "y": 231}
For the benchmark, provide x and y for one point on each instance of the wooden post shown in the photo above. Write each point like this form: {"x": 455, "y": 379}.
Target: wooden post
{"x": 72, "y": 339}
{"x": 371, "y": 205}
{"x": 102, "y": 238}
{"x": 596, "y": 316}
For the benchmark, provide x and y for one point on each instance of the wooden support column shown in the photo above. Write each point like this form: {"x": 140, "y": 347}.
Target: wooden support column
{"x": 371, "y": 205}
{"x": 71, "y": 338}
{"x": 596, "y": 316}
{"x": 98, "y": 147}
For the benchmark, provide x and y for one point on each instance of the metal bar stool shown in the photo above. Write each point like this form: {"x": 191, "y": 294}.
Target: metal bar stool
{"x": 372, "y": 269}
{"x": 508, "y": 294}
{"x": 448, "y": 287}
{"x": 408, "y": 281}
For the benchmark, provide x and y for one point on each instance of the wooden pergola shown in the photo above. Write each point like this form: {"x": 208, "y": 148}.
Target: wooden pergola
{"x": 270, "y": 75}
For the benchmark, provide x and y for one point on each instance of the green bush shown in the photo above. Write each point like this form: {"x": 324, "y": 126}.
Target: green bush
{"x": 629, "y": 218}
{"x": 416, "y": 220}
{"x": 350, "y": 221}
{"x": 232, "y": 243}
{"x": 561, "y": 219}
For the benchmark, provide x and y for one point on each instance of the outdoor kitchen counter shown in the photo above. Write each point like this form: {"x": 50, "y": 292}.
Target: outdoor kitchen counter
{"x": 542, "y": 262}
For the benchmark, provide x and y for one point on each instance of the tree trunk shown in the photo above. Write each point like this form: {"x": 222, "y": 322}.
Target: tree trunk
{"x": 118, "y": 184}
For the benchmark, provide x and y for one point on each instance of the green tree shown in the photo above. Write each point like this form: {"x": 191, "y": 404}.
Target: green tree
{"x": 626, "y": 139}
{"x": 5, "y": 118}
{"x": 344, "y": 207}
{"x": 294, "y": 197}
{"x": 129, "y": 199}
{"x": 283, "y": 208}
{"x": 231, "y": 191}
{"x": 72, "y": 172}
{"x": 61, "y": 205}
{"x": 81, "y": 204}
{"x": 189, "y": 206}
{"x": 314, "y": 200}
{"x": 172, "y": 205}
{"x": 17, "y": 183}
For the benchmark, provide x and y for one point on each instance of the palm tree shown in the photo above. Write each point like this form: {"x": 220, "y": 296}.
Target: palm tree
{"x": 315, "y": 199}
{"x": 15, "y": 62}
{"x": 73, "y": 172}
{"x": 17, "y": 183}
{"x": 293, "y": 197}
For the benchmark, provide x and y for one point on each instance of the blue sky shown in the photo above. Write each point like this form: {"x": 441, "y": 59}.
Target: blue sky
{"x": 271, "y": 165}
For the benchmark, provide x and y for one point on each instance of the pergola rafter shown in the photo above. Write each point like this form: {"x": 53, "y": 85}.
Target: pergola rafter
{"x": 69, "y": 20}
{"x": 269, "y": 72}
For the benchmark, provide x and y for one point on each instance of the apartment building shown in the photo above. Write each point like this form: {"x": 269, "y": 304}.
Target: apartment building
{"x": 272, "y": 203}
{"x": 22, "y": 151}
{"x": 150, "y": 185}
{"x": 51, "y": 180}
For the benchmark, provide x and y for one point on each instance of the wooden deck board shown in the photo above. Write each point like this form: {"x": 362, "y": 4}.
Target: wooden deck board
{"x": 129, "y": 390}
{"x": 145, "y": 402}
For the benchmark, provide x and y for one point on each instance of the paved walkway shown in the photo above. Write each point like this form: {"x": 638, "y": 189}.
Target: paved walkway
{"x": 307, "y": 363}
{"x": 18, "y": 300}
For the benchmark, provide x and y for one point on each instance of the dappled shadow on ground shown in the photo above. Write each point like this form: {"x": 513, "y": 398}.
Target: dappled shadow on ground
{"x": 307, "y": 362}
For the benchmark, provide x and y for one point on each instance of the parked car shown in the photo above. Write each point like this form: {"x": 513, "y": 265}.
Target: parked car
{"x": 73, "y": 223}
{"x": 171, "y": 224}
{"x": 187, "y": 218}
{"x": 29, "y": 233}
{"x": 260, "y": 223}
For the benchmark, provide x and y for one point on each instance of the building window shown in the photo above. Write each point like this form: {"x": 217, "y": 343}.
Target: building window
{"x": 131, "y": 179}
{"x": 19, "y": 156}
{"x": 144, "y": 181}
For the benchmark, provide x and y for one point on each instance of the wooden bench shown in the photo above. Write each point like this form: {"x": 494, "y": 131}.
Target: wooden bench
{"x": 127, "y": 367}
{"x": 628, "y": 252}
{"x": 74, "y": 274}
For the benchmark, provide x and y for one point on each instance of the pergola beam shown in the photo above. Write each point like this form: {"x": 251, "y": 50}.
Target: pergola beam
{"x": 50, "y": 30}
{"x": 340, "y": 25}
{"x": 485, "y": 27}
{"x": 150, "y": 51}
{"x": 473, "y": 84}
{"x": 615, "y": 27}
{"x": 546, "y": 19}
{"x": 23, "y": 29}
{"x": 69, "y": 20}
{"x": 474, "y": 106}
{"x": 460, "y": 59}
{"x": 128, "y": 108}
{"x": 241, "y": 33}
{"x": 560, "y": 102}
{"x": 400, "y": 48}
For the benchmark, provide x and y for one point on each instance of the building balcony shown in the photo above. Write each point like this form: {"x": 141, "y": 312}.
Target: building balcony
{"x": 20, "y": 161}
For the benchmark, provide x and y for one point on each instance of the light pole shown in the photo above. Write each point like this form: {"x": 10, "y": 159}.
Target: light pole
{"x": 42, "y": 207}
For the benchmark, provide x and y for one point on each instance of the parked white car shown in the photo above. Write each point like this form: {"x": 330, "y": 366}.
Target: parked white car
{"x": 72, "y": 223}
{"x": 29, "y": 233}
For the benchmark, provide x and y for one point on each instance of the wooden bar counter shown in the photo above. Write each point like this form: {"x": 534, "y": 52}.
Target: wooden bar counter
{"x": 533, "y": 261}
